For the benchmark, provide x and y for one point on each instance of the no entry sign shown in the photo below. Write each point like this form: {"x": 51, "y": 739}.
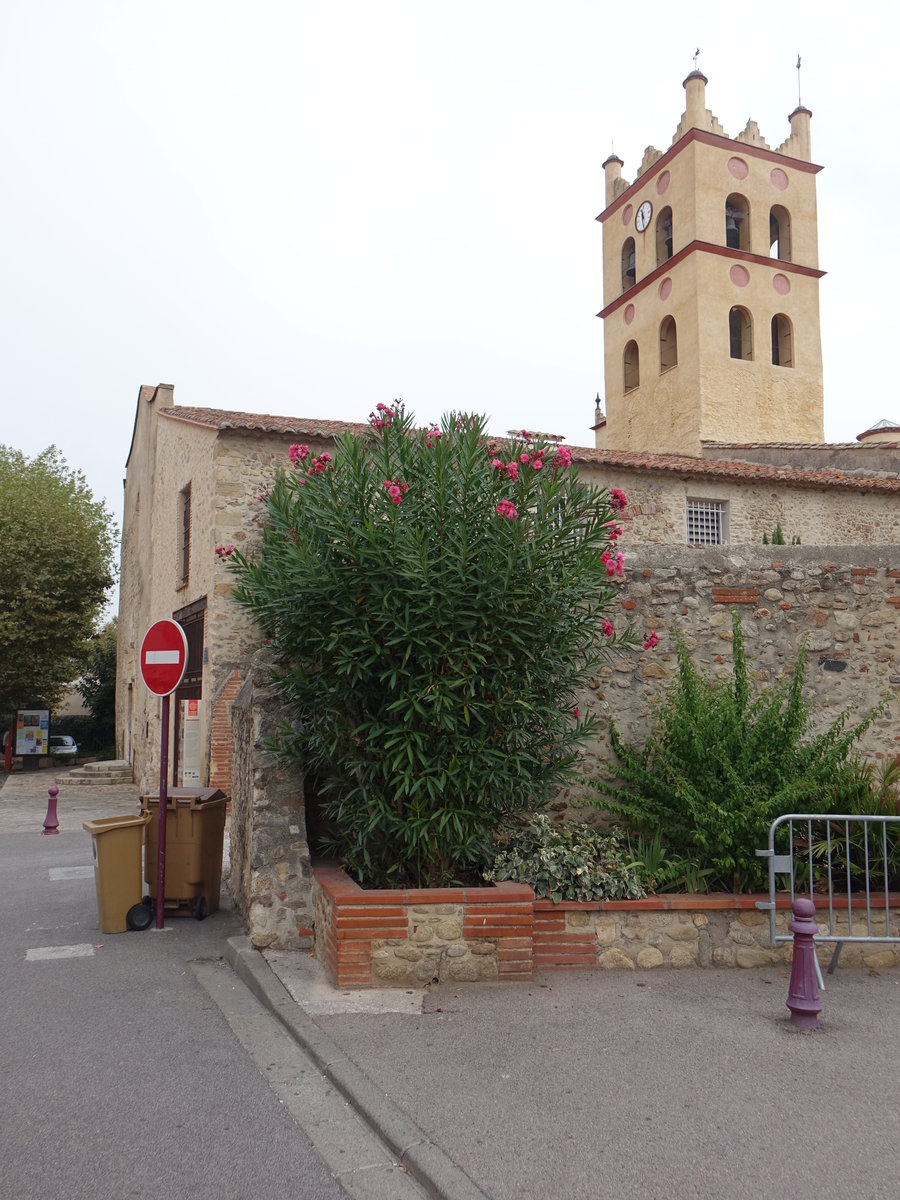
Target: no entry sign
{"x": 164, "y": 653}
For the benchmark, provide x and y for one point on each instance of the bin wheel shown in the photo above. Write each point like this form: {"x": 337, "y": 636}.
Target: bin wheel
{"x": 200, "y": 909}
{"x": 139, "y": 916}
{"x": 147, "y": 900}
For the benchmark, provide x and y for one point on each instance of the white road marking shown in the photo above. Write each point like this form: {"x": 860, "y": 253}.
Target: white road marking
{"x": 43, "y": 953}
{"x": 71, "y": 873}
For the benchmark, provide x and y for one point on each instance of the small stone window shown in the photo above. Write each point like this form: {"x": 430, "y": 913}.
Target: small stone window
{"x": 631, "y": 366}
{"x": 707, "y": 522}
{"x": 782, "y": 341}
{"x": 184, "y": 537}
{"x": 737, "y": 222}
{"x": 740, "y": 333}
{"x": 668, "y": 344}
{"x": 780, "y": 233}
{"x": 664, "y": 236}
{"x": 628, "y": 274}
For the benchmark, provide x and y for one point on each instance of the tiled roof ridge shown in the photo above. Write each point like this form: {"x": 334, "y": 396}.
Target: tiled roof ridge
{"x": 638, "y": 460}
{"x": 225, "y": 419}
{"x": 714, "y": 468}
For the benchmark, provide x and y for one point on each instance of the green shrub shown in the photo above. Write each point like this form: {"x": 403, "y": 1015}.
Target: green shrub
{"x": 435, "y": 601}
{"x": 719, "y": 766}
{"x": 568, "y": 862}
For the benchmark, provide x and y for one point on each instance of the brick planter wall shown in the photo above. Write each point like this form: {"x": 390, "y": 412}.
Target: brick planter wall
{"x": 403, "y": 938}
{"x": 409, "y": 937}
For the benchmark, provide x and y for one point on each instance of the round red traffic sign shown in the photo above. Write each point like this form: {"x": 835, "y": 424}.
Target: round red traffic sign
{"x": 164, "y": 653}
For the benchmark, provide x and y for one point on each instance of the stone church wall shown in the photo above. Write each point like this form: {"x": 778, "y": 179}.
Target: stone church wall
{"x": 845, "y": 600}
{"x": 271, "y": 878}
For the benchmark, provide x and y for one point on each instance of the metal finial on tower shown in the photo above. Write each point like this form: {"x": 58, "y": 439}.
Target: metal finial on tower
{"x": 696, "y": 56}
{"x": 799, "y": 101}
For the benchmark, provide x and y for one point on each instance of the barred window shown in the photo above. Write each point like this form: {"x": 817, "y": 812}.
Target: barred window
{"x": 706, "y": 522}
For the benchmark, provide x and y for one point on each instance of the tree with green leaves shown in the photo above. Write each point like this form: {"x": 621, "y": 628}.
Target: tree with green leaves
{"x": 435, "y": 599}
{"x": 97, "y": 684}
{"x": 56, "y": 565}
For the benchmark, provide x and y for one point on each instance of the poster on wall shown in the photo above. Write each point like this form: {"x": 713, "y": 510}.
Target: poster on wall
{"x": 190, "y": 743}
{"x": 32, "y": 731}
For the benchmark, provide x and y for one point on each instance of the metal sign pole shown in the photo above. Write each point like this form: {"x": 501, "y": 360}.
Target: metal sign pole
{"x": 163, "y": 805}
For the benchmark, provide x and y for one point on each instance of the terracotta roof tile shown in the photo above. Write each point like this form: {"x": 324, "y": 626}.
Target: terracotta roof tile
{"x": 627, "y": 460}
{"x": 222, "y": 419}
{"x": 740, "y": 472}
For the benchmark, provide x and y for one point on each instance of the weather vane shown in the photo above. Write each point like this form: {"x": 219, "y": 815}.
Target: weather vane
{"x": 696, "y": 56}
{"x": 799, "y": 102}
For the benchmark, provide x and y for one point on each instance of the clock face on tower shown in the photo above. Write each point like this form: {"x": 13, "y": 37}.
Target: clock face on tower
{"x": 643, "y": 215}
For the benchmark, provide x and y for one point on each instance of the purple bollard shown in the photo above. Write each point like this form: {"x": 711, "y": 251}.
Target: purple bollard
{"x": 51, "y": 823}
{"x": 803, "y": 993}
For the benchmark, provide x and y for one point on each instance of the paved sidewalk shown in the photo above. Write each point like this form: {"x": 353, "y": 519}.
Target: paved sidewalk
{"x": 656, "y": 1085}
{"x": 586, "y": 1085}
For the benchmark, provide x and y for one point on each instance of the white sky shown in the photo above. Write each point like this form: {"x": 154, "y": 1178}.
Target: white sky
{"x": 306, "y": 208}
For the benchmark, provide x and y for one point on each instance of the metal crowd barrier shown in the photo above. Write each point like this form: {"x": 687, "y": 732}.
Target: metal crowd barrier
{"x": 843, "y": 862}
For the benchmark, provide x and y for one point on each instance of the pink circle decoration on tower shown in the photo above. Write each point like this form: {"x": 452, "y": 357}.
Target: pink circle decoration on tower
{"x": 781, "y": 284}
{"x": 665, "y": 288}
{"x": 663, "y": 182}
{"x": 627, "y": 214}
{"x": 738, "y": 168}
{"x": 779, "y": 178}
{"x": 629, "y": 314}
{"x": 739, "y": 275}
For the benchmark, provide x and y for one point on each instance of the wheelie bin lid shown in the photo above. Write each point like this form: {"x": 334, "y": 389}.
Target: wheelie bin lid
{"x": 195, "y": 797}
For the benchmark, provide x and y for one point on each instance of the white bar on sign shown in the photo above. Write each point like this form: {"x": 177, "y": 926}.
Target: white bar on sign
{"x": 162, "y": 656}
{"x": 42, "y": 953}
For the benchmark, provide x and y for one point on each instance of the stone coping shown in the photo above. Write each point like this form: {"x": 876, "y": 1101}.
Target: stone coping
{"x": 709, "y": 902}
{"x": 342, "y": 890}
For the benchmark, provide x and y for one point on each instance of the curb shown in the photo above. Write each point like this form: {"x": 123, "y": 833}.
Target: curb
{"x": 424, "y": 1160}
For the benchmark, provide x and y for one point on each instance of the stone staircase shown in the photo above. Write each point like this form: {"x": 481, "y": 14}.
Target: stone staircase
{"x": 115, "y": 773}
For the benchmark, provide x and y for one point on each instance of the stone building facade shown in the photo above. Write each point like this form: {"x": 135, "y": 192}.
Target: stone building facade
{"x": 194, "y": 479}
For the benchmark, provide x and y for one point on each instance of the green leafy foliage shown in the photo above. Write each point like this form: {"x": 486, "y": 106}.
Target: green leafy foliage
{"x": 97, "y": 685}
{"x": 568, "y": 862}
{"x": 720, "y": 765}
{"x": 56, "y": 554}
{"x": 435, "y": 601}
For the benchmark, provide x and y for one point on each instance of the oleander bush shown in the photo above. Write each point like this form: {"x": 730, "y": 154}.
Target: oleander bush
{"x": 435, "y": 599}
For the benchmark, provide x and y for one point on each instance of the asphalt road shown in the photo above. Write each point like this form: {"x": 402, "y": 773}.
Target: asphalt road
{"x": 121, "y": 1079}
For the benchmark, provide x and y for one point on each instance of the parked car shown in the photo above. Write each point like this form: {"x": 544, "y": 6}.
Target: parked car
{"x": 63, "y": 745}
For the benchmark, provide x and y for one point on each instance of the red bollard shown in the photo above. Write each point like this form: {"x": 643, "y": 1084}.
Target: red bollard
{"x": 803, "y": 993}
{"x": 51, "y": 824}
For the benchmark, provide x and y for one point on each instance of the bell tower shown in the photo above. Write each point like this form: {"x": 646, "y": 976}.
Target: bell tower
{"x": 711, "y": 290}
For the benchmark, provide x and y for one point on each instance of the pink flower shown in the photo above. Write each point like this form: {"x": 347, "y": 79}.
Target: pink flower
{"x": 537, "y": 463}
{"x": 576, "y": 712}
{"x": 395, "y": 489}
{"x": 607, "y": 628}
{"x": 512, "y": 471}
{"x": 617, "y": 498}
{"x": 651, "y": 640}
{"x": 563, "y": 457}
{"x": 496, "y": 464}
{"x": 524, "y": 459}
{"x": 298, "y": 452}
{"x": 507, "y": 509}
{"x": 613, "y": 531}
